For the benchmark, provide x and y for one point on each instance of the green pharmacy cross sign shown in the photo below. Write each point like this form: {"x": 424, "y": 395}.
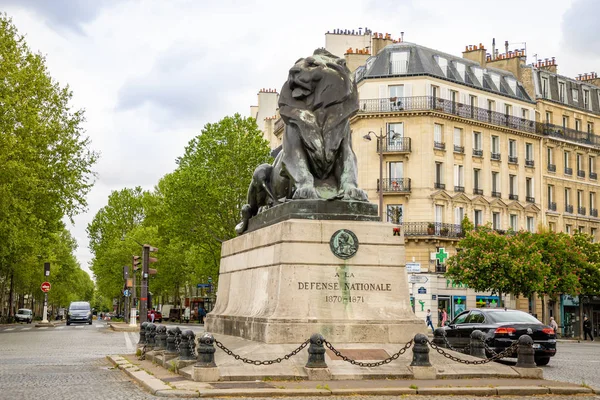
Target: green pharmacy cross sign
{"x": 441, "y": 255}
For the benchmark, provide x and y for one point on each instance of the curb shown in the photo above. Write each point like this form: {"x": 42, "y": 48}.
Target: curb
{"x": 157, "y": 387}
{"x": 123, "y": 327}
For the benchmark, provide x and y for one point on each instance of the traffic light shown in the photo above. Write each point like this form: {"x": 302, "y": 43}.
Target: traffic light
{"x": 137, "y": 260}
{"x": 125, "y": 272}
{"x": 47, "y": 269}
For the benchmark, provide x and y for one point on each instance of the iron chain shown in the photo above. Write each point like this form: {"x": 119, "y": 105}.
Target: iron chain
{"x": 506, "y": 353}
{"x": 143, "y": 355}
{"x": 373, "y": 364}
{"x": 261, "y": 362}
{"x": 488, "y": 348}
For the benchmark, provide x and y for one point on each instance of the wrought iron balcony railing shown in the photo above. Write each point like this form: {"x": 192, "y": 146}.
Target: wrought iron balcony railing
{"x": 568, "y": 134}
{"x": 477, "y": 191}
{"x": 401, "y": 145}
{"x": 552, "y": 206}
{"x": 459, "y": 188}
{"x": 431, "y": 229}
{"x": 513, "y": 160}
{"x": 395, "y": 185}
{"x": 477, "y": 153}
{"x": 580, "y": 173}
{"x": 593, "y": 175}
{"x": 513, "y": 197}
{"x": 459, "y": 149}
{"x": 594, "y": 212}
{"x": 529, "y": 163}
{"x": 551, "y": 167}
{"x": 569, "y": 208}
{"x": 439, "y": 145}
{"x": 495, "y": 156}
{"x": 530, "y": 199}
{"x": 439, "y": 185}
{"x": 568, "y": 171}
{"x": 496, "y": 194}
{"x": 581, "y": 210}
{"x": 440, "y": 269}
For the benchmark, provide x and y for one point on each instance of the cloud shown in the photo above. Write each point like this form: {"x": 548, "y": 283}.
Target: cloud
{"x": 580, "y": 27}
{"x": 70, "y": 14}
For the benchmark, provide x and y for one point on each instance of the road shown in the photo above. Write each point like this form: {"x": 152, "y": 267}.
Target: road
{"x": 68, "y": 362}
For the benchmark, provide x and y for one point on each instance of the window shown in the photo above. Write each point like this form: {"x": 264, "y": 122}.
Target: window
{"x": 459, "y": 214}
{"x": 477, "y": 141}
{"x": 395, "y": 135}
{"x": 593, "y": 233}
{"x": 561, "y": 92}
{"x": 437, "y": 133}
{"x": 435, "y": 91}
{"x": 512, "y": 148}
{"x": 592, "y": 201}
{"x": 507, "y": 109}
{"x": 478, "y": 72}
{"x": 491, "y": 105}
{"x": 396, "y": 91}
{"x": 512, "y": 183}
{"x": 399, "y": 62}
{"x": 495, "y": 144}
{"x": 578, "y": 125}
{"x": 529, "y": 151}
{"x": 473, "y": 101}
{"x": 478, "y": 217}
{"x": 530, "y": 224}
{"x": 439, "y": 213}
{"x": 580, "y": 198}
{"x": 460, "y": 67}
{"x": 453, "y": 96}
{"x": 457, "y": 137}
{"x": 567, "y": 158}
{"x": 396, "y": 170}
{"x": 567, "y": 197}
{"x": 443, "y": 64}
{"x": 524, "y": 113}
{"x": 496, "y": 220}
{"x": 579, "y": 162}
{"x": 550, "y": 152}
{"x": 476, "y": 175}
{"x": 592, "y": 165}
{"x": 394, "y": 213}
{"x": 586, "y": 99}
{"x": 581, "y": 229}
{"x": 565, "y": 122}
{"x": 575, "y": 95}
{"x": 496, "y": 80}
{"x": 529, "y": 188}
{"x": 551, "y": 206}
{"x": 439, "y": 172}
{"x": 590, "y": 127}
{"x": 512, "y": 83}
{"x": 548, "y": 117}
{"x": 514, "y": 222}
{"x": 568, "y": 229}
{"x": 552, "y": 226}
{"x": 459, "y": 178}
{"x": 495, "y": 183}
{"x": 545, "y": 87}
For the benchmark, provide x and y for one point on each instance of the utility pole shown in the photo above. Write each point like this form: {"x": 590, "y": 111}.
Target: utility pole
{"x": 146, "y": 260}
{"x": 46, "y": 275}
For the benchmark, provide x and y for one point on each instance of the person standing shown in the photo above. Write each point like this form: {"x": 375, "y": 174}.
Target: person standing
{"x": 444, "y": 317}
{"x": 439, "y": 323}
{"x": 587, "y": 328}
{"x": 201, "y": 314}
{"x": 553, "y": 325}
{"x": 152, "y": 315}
{"x": 428, "y": 320}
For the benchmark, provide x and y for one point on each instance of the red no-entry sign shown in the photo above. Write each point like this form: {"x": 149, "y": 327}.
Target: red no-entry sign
{"x": 46, "y": 287}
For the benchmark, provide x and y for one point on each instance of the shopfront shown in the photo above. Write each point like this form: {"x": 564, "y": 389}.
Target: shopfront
{"x": 570, "y": 318}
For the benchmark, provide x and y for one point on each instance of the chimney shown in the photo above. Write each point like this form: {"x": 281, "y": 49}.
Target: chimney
{"x": 475, "y": 53}
{"x": 493, "y": 48}
{"x": 402, "y": 36}
{"x": 506, "y": 47}
{"x": 591, "y": 78}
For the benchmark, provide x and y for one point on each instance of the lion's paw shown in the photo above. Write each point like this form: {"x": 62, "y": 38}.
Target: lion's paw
{"x": 355, "y": 193}
{"x": 306, "y": 192}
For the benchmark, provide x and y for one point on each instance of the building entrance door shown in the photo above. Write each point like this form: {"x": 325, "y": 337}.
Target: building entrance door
{"x": 444, "y": 304}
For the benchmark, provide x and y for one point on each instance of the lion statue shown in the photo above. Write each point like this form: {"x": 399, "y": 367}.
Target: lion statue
{"x": 316, "y": 160}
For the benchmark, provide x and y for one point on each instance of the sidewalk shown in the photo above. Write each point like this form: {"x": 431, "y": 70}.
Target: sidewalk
{"x": 161, "y": 382}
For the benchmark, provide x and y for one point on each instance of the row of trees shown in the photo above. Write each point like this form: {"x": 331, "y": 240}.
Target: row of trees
{"x": 187, "y": 215}
{"x": 45, "y": 174}
{"x": 524, "y": 263}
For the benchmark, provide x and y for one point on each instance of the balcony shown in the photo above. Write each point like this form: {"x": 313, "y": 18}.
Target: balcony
{"x": 478, "y": 191}
{"x": 429, "y": 103}
{"x": 581, "y": 210}
{"x": 439, "y": 185}
{"x": 529, "y": 163}
{"x": 568, "y": 171}
{"x": 593, "y": 175}
{"x": 496, "y": 194}
{"x": 530, "y": 199}
{"x": 459, "y": 149}
{"x": 513, "y": 160}
{"x": 569, "y": 208}
{"x": 401, "y": 145}
{"x": 459, "y": 189}
{"x": 580, "y": 173}
{"x": 495, "y": 156}
{"x": 477, "y": 153}
{"x": 395, "y": 185}
{"x": 513, "y": 197}
{"x": 552, "y": 206}
{"x": 568, "y": 134}
{"x": 551, "y": 167}
{"x": 440, "y": 269}
{"x": 431, "y": 229}
{"x": 594, "y": 212}
{"x": 439, "y": 145}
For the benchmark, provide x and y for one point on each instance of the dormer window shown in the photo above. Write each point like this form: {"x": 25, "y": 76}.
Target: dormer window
{"x": 496, "y": 80}
{"x": 561, "y": 92}
{"x": 443, "y": 64}
{"x": 586, "y": 99}
{"x": 461, "y": 70}
{"x": 545, "y": 87}
{"x": 478, "y": 72}
{"x": 512, "y": 83}
{"x": 399, "y": 62}
{"x": 369, "y": 63}
{"x": 575, "y": 95}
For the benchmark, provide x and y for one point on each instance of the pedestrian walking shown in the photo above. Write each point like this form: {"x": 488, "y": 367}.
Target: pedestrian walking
{"x": 444, "y": 317}
{"x": 587, "y": 328}
{"x": 152, "y": 315}
{"x": 554, "y": 325}
{"x": 201, "y": 314}
{"x": 428, "y": 320}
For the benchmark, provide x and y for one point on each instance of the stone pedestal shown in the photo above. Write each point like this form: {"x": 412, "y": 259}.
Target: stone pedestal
{"x": 282, "y": 283}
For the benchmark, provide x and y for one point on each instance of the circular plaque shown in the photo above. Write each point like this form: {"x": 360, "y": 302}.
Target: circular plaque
{"x": 344, "y": 244}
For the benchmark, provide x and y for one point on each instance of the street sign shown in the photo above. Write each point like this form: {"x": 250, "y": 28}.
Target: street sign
{"x": 203, "y": 285}
{"x": 441, "y": 255}
{"x": 422, "y": 290}
{"x": 126, "y": 293}
{"x": 46, "y": 287}
{"x": 209, "y": 279}
{"x": 418, "y": 279}
{"x": 413, "y": 267}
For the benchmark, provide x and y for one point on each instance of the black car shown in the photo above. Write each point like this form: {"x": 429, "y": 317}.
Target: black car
{"x": 79, "y": 311}
{"x": 501, "y": 327}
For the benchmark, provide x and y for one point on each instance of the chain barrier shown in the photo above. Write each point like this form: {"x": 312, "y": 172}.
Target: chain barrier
{"x": 373, "y": 364}
{"x": 449, "y": 346}
{"x": 506, "y": 353}
{"x": 488, "y": 348}
{"x": 143, "y": 355}
{"x": 262, "y": 362}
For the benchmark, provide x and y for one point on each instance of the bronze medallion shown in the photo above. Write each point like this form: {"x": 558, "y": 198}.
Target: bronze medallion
{"x": 344, "y": 244}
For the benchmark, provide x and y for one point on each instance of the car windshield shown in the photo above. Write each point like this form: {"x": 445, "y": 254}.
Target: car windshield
{"x": 513, "y": 316}
{"x": 25, "y": 312}
{"x": 79, "y": 307}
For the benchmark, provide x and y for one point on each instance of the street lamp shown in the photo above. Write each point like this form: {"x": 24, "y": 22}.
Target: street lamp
{"x": 133, "y": 293}
{"x": 380, "y": 138}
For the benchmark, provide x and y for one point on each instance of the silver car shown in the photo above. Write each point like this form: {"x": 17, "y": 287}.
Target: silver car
{"x": 24, "y": 315}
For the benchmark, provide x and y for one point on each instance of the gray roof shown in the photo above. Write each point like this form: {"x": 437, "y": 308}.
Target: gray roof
{"x": 570, "y": 85}
{"x": 423, "y": 61}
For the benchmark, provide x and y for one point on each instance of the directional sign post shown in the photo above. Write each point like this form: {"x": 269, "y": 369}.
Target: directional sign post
{"x": 418, "y": 279}
{"x": 45, "y": 288}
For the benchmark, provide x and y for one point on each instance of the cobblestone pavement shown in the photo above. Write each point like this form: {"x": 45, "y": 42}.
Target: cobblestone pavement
{"x": 68, "y": 362}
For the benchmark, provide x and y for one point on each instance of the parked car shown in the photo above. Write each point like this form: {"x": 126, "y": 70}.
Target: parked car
{"x": 24, "y": 315}
{"x": 501, "y": 328}
{"x": 79, "y": 312}
{"x": 176, "y": 313}
{"x": 157, "y": 316}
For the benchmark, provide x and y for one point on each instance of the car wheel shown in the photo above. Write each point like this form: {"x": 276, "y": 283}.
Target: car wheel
{"x": 90, "y": 322}
{"x": 68, "y": 323}
{"x": 542, "y": 361}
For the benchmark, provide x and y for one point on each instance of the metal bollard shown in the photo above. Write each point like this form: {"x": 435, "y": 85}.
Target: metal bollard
{"x": 143, "y": 333}
{"x": 186, "y": 345}
{"x": 439, "y": 337}
{"x": 316, "y": 352}
{"x": 206, "y": 351}
{"x": 525, "y": 352}
{"x": 161, "y": 338}
{"x": 420, "y": 351}
{"x": 150, "y": 334}
{"x": 172, "y": 339}
{"x": 477, "y": 344}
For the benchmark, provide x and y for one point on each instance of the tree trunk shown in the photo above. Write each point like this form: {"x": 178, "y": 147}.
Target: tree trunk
{"x": 11, "y": 294}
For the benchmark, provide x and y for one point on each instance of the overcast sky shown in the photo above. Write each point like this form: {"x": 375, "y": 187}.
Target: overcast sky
{"x": 151, "y": 73}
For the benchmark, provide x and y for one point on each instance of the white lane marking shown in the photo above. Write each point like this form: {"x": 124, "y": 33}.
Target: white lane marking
{"x": 25, "y": 329}
{"x": 10, "y": 329}
{"x": 128, "y": 342}
{"x": 60, "y": 327}
{"x": 79, "y": 327}
{"x": 135, "y": 338}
